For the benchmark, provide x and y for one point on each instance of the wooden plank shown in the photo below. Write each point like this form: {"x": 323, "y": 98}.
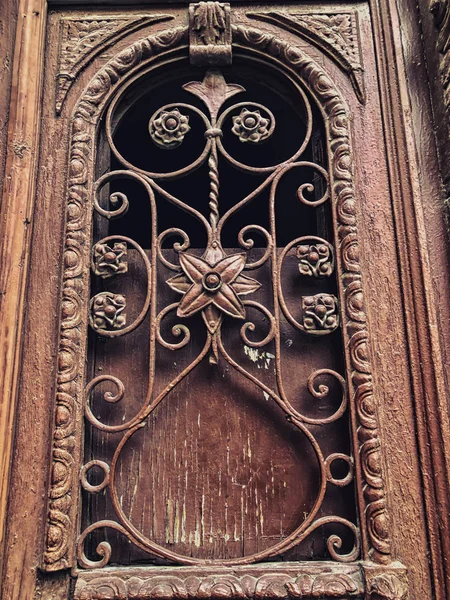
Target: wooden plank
{"x": 16, "y": 217}
{"x": 8, "y": 22}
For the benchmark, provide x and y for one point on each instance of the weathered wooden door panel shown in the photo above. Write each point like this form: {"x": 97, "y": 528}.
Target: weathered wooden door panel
{"x": 230, "y": 308}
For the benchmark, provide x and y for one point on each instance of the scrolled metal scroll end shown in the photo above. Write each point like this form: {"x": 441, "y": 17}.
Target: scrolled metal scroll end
{"x": 109, "y": 260}
{"x": 119, "y": 201}
{"x": 168, "y": 128}
{"x": 316, "y": 260}
{"x": 320, "y": 314}
{"x": 311, "y": 188}
{"x": 334, "y": 541}
{"x": 251, "y": 126}
{"x": 103, "y": 549}
{"x": 107, "y": 312}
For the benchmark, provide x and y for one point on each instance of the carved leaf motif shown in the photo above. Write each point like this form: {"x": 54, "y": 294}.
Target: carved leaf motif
{"x": 278, "y": 586}
{"x": 388, "y": 587}
{"x": 338, "y": 29}
{"x": 329, "y": 584}
{"x": 209, "y": 21}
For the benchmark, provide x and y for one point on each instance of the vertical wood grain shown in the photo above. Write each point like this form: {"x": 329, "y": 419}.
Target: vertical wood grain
{"x": 8, "y": 22}
{"x": 420, "y": 306}
{"x": 16, "y": 217}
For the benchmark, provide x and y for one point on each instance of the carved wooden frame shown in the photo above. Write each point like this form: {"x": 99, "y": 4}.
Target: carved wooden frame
{"x": 66, "y": 459}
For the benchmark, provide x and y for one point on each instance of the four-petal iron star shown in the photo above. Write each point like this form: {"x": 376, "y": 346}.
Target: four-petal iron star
{"x": 208, "y": 287}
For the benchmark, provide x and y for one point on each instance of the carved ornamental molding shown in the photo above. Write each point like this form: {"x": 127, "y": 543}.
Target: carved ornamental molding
{"x": 64, "y": 487}
{"x": 81, "y": 40}
{"x": 279, "y": 582}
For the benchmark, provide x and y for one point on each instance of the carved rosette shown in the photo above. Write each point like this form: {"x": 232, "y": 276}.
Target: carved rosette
{"x": 59, "y": 549}
{"x": 320, "y": 313}
{"x": 109, "y": 261}
{"x": 251, "y": 126}
{"x": 168, "y": 128}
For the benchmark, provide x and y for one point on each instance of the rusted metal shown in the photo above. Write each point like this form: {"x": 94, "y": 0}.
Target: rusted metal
{"x": 213, "y": 285}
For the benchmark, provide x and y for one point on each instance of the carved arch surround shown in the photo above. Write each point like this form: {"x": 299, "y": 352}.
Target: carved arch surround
{"x": 64, "y": 484}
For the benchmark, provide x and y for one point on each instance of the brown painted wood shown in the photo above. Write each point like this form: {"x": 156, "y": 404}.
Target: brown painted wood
{"x": 17, "y": 208}
{"x": 401, "y": 287}
{"x": 8, "y": 21}
{"x": 262, "y": 478}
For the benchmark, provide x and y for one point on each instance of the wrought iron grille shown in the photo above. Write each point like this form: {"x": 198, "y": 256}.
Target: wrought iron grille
{"x": 215, "y": 288}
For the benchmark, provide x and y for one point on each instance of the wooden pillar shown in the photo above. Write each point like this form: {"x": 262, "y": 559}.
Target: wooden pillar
{"x": 16, "y": 216}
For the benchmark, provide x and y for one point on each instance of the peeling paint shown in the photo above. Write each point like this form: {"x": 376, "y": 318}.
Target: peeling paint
{"x": 262, "y": 359}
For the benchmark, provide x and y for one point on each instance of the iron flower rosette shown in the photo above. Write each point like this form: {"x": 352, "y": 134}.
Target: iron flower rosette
{"x": 212, "y": 289}
{"x": 168, "y": 128}
{"x": 251, "y": 126}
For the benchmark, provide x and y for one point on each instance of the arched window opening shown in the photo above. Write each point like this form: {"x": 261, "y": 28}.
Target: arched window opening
{"x": 218, "y": 422}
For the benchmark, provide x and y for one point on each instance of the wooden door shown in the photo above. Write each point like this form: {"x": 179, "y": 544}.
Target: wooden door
{"x": 214, "y": 278}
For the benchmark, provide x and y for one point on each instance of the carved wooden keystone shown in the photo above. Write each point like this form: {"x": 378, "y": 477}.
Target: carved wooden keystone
{"x": 210, "y": 34}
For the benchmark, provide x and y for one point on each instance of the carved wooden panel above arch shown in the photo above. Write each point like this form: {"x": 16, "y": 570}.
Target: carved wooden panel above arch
{"x": 81, "y": 40}
{"x": 337, "y": 34}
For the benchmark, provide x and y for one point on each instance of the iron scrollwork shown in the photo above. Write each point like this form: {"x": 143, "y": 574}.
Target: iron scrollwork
{"x": 216, "y": 286}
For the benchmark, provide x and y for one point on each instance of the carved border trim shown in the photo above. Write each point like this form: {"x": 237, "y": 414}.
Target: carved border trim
{"x": 71, "y": 62}
{"x": 61, "y": 529}
{"x": 315, "y": 28}
{"x": 63, "y": 493}
{"x": 276, "y": 581}
{"x": 355, "y": 330}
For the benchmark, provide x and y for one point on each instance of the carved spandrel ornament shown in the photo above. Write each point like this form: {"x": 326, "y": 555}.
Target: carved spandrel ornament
{"x": 210, "y": 34}
{"x": 337, "y": 34}
{"x": 81, "y": 40}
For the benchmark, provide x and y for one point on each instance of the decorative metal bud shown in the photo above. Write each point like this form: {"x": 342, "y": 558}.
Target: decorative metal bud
{"x": 250, "y": 126}
{"x": 108, "y": 261}
{"x": 107, "y": 311}
{"x": 316, "y": 260}
{"x": 320, "y": 313}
